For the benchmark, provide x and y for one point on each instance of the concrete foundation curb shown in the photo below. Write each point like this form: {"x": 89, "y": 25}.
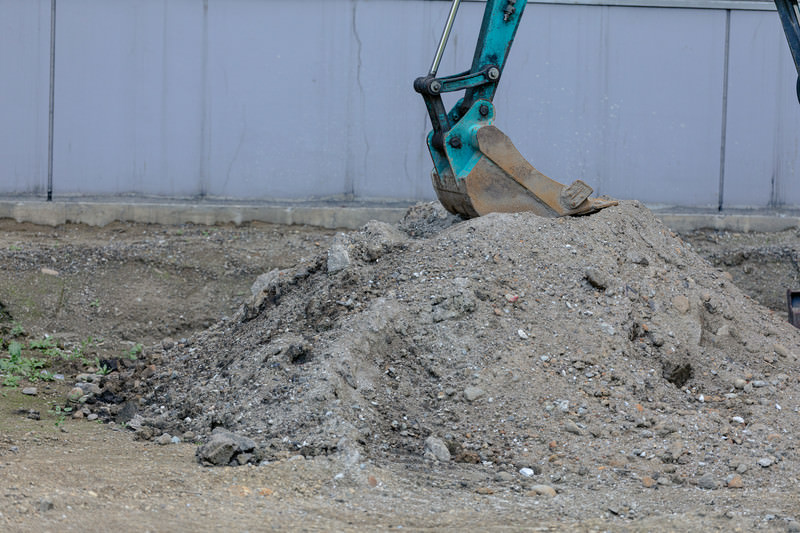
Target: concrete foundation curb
{"x": 737, "y": 222}
{"x": 100, "y": 213}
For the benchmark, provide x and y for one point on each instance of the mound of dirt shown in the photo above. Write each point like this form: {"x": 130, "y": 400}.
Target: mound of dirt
{"x": 597, "y": 348}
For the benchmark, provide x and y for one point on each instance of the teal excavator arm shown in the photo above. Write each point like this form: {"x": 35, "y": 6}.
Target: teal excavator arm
{"x": 788, "y": 11}
{"x": 477, "y": 170}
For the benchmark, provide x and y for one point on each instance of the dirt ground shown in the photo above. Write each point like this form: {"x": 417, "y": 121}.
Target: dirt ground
{"x": 764, "y": 265}
{"x": 179, "y": 292}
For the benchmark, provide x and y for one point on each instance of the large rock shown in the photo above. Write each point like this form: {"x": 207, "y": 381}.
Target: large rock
{"x": 338, "y": 257}
{"x": 435, "y": 448}
{"x": 222, "y": 448}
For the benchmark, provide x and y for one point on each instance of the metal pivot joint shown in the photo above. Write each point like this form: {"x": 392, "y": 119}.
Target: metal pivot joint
{"x": 500, "y": 21}
{"x": 477, "y": 170}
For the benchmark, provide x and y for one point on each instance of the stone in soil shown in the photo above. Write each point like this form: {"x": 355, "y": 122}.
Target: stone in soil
{"x": 435, "y": 448}
{"x": 542, "y": 490}
{"x": 735, "y": 481}
{"x": 223, "y": 447}
{"x": 45, "y": 504}
{"x": 707, "y": 481}
{"x": 473, "y": 393}
{"x": 164, "y": 439}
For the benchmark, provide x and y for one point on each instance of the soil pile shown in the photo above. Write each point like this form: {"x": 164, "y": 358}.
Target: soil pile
{"x": 596, "y": 349}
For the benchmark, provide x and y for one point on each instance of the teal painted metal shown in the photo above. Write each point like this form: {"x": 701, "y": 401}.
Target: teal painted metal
{"x": 452, "y": 141}
{"x": 787, "y": 10}
{"x": 500, "y": 22}
{"x": 478, "y": 170}
{"x": 460, "y": 161}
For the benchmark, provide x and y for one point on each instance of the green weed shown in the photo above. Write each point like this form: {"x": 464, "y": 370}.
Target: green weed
{"x": 21, "y": 360}
{"x": 15, "y": 366}
{"x": 134, "y": 352}
{"x": 60, "y": 413}
{"x": 102, "y": 369}
{"x": 43, "y": 344}
{"x": 47, "y": 346}
{"x": 15, "y": 350}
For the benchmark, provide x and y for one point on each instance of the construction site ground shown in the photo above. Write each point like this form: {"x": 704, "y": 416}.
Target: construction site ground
{"x": 505, "y": 373}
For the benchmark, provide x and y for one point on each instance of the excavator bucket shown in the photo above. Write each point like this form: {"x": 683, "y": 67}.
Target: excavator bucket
{"x": 503, "y": 181}
{"x": 477, "y": 170}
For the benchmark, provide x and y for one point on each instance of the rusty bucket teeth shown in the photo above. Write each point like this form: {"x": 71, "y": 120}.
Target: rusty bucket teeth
{"x": 503, "y": 181}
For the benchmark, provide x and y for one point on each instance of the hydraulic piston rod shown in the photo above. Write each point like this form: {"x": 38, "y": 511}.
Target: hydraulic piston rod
{"x": 448, "y": 27}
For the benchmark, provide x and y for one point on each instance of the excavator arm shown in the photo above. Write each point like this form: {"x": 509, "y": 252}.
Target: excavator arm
{"x": 477, "y": 170}
{"x": 788, "y": 12}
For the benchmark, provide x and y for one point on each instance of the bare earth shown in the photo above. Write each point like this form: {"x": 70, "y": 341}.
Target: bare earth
{"x": 572, "y": 337}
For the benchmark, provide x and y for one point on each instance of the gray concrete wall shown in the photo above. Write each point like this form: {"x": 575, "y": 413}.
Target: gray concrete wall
{"x": 311, "y": 99}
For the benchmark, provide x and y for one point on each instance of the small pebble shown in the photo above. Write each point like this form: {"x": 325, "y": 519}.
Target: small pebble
{"x": 681, "y": 304}
{"x": 527, "y": 472}
{"x": 707, "y": 481}
{"x": 75, "y": 394}
{"x": 542, "y": 490}
{"x": 572, "y": 427}
{"x": 735, "y": 481}
{"x": 30, "y": 391}
{"x": 435, "y": 448}
{"x": 473, "y": 393}
{"x": 45, "y": 504}
{"x": 781, "y": 350}
{"x": 504, "y": 476}
{"x": 164, "y": 439}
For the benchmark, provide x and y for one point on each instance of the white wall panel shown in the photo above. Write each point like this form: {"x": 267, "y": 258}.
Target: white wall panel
{"x": 628, "y": 99}
{"x": 279, "y": 118}
{"x": 313, "y": 99}
{"x": 24, "y": 95}
{"x": 129, "y": 105}
{"x": 763, "y": 134}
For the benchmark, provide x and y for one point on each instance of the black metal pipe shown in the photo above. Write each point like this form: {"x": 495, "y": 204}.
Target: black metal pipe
{"x": 51, "y": 122}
